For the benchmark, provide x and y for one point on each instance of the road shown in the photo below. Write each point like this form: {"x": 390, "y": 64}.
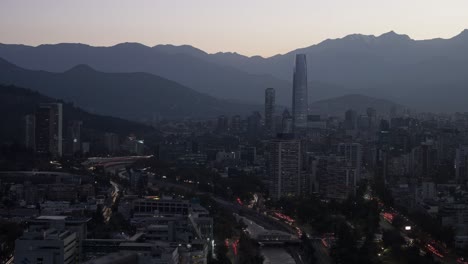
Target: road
{"x": 11, "y": 260}
{"x": 110, "y": 201}
{"x": 322, "y": 254}
{"x": 385, "y": 225}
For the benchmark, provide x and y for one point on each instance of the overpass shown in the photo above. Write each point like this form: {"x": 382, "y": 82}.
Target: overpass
{"x": 265, "y": 236}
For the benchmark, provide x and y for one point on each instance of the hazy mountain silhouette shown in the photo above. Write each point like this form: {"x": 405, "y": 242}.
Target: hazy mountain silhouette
{"x": 184, "y": 64}
{"x": 392, "y": 66}
{"x": 135, "y": 96}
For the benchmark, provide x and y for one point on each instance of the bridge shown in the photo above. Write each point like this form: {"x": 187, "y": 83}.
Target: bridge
{"x": 265, "y": 236}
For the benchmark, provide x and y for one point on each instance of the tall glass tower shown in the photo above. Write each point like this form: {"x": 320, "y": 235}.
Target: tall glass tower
{"x": 300, "y": 101}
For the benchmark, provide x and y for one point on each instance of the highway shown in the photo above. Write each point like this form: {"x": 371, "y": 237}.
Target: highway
{"x": 322, "y": 253}
{"x": 110, "y": 201}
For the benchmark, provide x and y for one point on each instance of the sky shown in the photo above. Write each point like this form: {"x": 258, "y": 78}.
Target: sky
{"x": 249, "y": 27}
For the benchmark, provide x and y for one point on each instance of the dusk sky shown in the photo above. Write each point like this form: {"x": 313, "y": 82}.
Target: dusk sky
{"x": 250, "y": 27}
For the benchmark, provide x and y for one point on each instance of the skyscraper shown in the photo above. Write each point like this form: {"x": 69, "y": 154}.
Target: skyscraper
{"x": 270, "y": 110}
{"x": 286, "y": 122}
{"x": 284, "y": 167}
{"x": 222, "y": 124}
{"x": 236, "y": 124}
{"x": 30, "y": 131}
{"x": 352, "y": 153}
{"x": 300, "y": 101}
{"x": 74, "y": 136}
{"x": 254, "y": 125}
{"x": 111, "y": 141}
{"x": 49, "y": 129}
{"x": 350, "y": 122}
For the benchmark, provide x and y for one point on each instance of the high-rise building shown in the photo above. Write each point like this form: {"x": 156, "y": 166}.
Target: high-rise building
{"x": 236, "y": 123}
{"x": 111, "y": 141}
{"x": 300, "y": 100}
{"x": 287, "y": 122}
{"x": 30, "y": 131}
{"x": 248, "y": 154}
{"x": 284, "y": 167}
{"x": 372, "y": 114}
{"x": 350, "y": 122}
{"x": 254, "y": 124}
{"x": 336, "y": 179}
{"x": 74, "y": 136}
{"x": 222, "y": 124}
{"x": 270, "y": 111}
{"x": 49, "y": 246}
{"x": 49, "y": 119}
{"x": 460, "y": 164}
{"x": 352, "y": 153}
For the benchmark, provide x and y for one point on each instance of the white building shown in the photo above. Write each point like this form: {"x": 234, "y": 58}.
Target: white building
{"x": 49, "y": 246}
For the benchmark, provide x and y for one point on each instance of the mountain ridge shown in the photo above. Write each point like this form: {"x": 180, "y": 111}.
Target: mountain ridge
{"x": 391, "y": 66}
{"x": 463, "y": 33}
{"x": 136, "y": 96}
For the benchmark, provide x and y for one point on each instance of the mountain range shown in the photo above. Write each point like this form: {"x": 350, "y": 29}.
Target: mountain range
{"x": 134, "y": 96}
{"x": 389, "y": 66}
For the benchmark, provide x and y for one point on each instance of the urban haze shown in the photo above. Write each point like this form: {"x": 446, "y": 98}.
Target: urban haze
{"x": 243, "y": 132}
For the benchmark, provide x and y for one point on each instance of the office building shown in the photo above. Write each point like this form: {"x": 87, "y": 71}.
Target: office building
{"x": 270, "y": 111}
{"x": 460, "y": 164}
{"x": 74, "y": 136}
{"x": 141, "y": 253}
{"x": 162, "y": 206}
{"x": 287, "y": 123}
{"x": 254, "y": 125}
{"x": 300, "y": 100}
{"x": 49, "y": 118}
{"x": 76, "y": 225}
{"x": 284, "y": 167}
{"x": 336, "y": 179}
{"x": 111, "y": 141}
{"x": 350, "y": 122}
{"x": 352, "y": 153}
{"x": 49, "y": 246}
{"x": 30, "y": 132}
{"x": 236, "y": 125}
{"x": 222, "y": 124}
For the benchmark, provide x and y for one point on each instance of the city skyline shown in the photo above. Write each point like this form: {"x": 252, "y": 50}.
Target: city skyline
{"x": 256, "y": 29}
{"x": 118, "y": 148}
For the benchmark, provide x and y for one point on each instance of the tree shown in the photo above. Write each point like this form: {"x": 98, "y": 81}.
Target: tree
{"x": 398, "y": 221}
{"x": 221, "y": 255}
{"x": 308, "y": 249}
{"x": 249, "y": 252}
{"x": 345, "y": 250}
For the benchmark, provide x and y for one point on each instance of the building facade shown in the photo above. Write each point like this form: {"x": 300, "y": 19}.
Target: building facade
{"x": 300, "y": 100}
{"x": 49, "y": 123}
{"x": 284, "y": 167}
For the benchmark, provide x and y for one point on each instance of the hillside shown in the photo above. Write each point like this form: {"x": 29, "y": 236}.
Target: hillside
{"x": 17, "y": 102}
{"x": 133, "y": 96}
